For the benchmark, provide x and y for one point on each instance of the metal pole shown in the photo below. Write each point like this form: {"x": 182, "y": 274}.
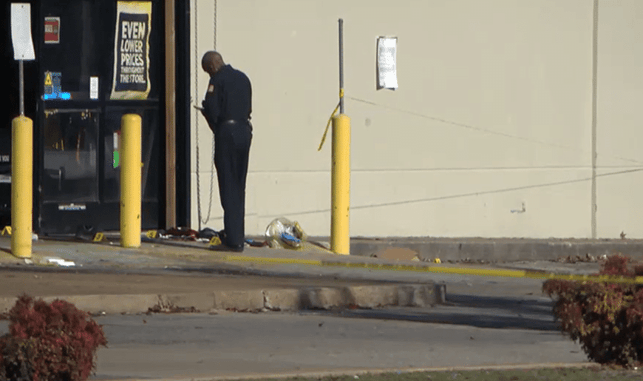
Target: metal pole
{"x": 22, "y": 87}
{"x": 341, "y": 66}
{"x": 341, "y": 184}
{"x": 21, "y": 186}
{"x": 170, "y": 115}
{"x": 131, "y": 181}
{"x": 341, "y": 169}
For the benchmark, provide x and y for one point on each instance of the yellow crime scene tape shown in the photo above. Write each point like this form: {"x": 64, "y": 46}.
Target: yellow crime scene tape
{"x": 505, "y": 273}
{"x": 321, "y": 144}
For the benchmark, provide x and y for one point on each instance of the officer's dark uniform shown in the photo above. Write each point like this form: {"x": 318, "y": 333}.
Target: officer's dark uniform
{"x": 227, "y": 107}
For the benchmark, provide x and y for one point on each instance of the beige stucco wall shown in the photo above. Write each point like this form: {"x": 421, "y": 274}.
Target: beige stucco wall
{"x": 619, "y": 119}
{"x": 493, "y": 112}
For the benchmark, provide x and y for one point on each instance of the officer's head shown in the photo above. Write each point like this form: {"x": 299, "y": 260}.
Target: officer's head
{"x": 212, "y": 62}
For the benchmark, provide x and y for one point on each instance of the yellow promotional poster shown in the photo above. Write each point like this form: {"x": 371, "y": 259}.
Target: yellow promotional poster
{"x": 132, "y": 50}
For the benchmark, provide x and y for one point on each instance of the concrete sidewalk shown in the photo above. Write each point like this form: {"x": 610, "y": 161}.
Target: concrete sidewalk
{"x": 184, "y": 275}
{"x": 106, "y": 280}
{"x": 103, "y": 278}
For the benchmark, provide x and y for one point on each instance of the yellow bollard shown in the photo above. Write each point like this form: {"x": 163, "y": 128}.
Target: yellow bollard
{"x": 340, "y": 183}
{"x": 21, "y": 186}
{"x": 131, "y": 181}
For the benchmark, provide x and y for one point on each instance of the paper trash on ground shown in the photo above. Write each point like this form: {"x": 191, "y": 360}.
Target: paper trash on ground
{"x": 58, "y": 261}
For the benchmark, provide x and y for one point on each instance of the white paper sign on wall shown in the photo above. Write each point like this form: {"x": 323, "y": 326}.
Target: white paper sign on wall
{"x": 21, "y": 32}
{"x": 387, "y": 63}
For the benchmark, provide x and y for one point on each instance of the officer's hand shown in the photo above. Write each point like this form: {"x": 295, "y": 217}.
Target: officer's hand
{"x": 203, "y": 108}
{"x": 200, "y": 109}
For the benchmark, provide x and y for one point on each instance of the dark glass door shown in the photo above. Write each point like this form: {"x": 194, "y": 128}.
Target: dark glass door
{"x": 81, "y": 45}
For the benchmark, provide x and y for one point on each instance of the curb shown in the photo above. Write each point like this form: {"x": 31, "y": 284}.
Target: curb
{"x": 377, "y": 371}
{"x": 499, "y": 250}
{"x": 288, "y": 299}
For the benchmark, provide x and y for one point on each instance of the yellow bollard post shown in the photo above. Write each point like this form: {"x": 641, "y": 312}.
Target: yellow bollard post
{"x": 131, "y": 181}
{"x": 21, "y": 186}
{"x": 340, "y": 183}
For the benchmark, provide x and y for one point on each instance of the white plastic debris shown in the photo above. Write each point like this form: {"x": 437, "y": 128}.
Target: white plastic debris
{"x": 282, "y": 232}
{"x": 286, "y": 234}
{"x": 59, "y": 262}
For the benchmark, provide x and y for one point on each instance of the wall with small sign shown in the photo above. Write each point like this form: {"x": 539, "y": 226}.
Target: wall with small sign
{"x": 498, "y": 110}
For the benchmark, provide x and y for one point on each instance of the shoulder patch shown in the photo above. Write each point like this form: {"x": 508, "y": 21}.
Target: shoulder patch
{"x": 211, "y": 88}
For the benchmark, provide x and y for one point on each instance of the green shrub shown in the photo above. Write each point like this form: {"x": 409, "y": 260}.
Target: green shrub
{"x": 605, "y": 318}
{"x": 49, "y": 342}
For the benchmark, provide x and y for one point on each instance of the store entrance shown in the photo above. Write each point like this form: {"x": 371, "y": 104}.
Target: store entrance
{"x": 96, "y": 60}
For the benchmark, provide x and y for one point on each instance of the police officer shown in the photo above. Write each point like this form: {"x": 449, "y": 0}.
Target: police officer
{"x": 227, "y": 107}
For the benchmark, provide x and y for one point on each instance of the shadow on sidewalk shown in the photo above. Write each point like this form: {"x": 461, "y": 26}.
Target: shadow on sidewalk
{"x": 477, "y": 311}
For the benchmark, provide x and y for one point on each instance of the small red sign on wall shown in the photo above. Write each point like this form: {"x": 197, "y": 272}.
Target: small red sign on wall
{"x": 52, "y": 30}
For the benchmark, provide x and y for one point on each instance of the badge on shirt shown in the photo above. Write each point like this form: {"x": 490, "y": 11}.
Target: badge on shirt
{"x": 211, "y": 88}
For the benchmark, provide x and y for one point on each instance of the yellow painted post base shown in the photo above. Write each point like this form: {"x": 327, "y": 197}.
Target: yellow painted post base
{"x": 131, "y": 181}
{"x": 340, "y": 184}
{"x": 21, "y": 186}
